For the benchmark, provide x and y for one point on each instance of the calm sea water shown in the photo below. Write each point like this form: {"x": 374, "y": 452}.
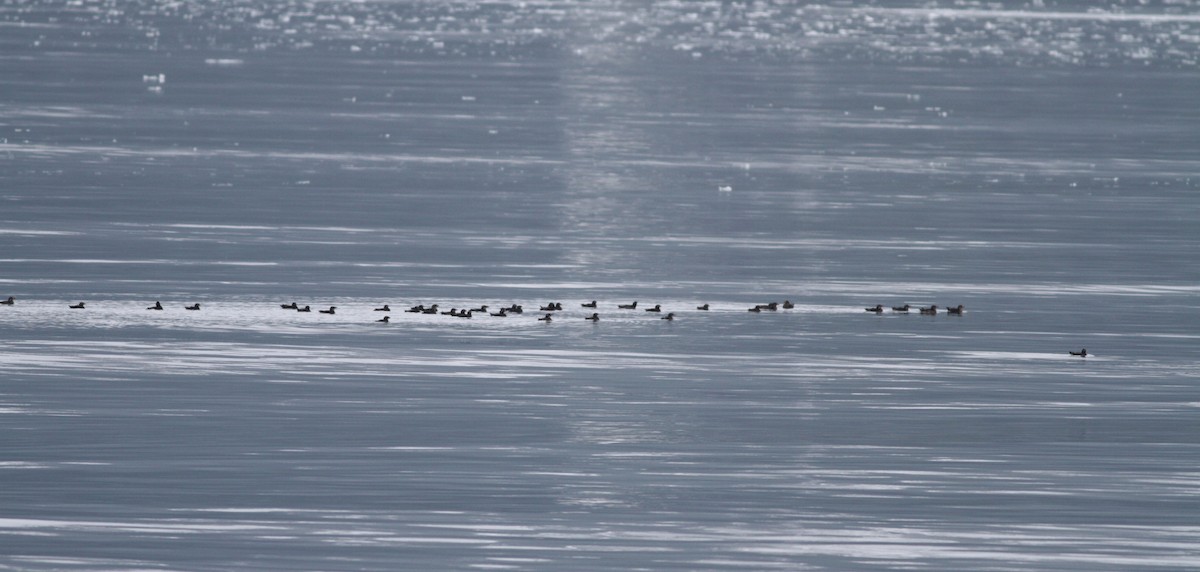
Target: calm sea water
{"x": 1037, "y": 163}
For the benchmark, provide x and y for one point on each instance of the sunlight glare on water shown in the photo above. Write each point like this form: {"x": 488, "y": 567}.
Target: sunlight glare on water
{"x": 1034, "y": 162}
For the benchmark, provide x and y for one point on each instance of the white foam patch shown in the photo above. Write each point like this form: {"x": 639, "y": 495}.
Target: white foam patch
{"x": 113, "y": 151}
{"x": 52, "y": 112}
{"x": 149, "y": 527}
{"x": 90, "y": 563}
{"x": 997, "y": 355}
{"x": 1039, "y": 15}
{"x": 28, "y": 232}
{"x": 22, "y": 465}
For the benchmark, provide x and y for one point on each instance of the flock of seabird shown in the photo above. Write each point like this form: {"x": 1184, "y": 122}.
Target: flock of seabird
{"x": 514, "y": 309}
{"x": 929, "y": 311}
{"x": 549, "y": 309}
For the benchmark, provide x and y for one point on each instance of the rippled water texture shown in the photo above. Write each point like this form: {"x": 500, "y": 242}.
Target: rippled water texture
{"x": 1035, "y": 162}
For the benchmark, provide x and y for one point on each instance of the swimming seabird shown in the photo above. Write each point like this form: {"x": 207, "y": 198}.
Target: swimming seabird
{"x": 788, "y": 305}
{"x": 1080, "y": 353}
{"x": 930, "y": 310}
{"x": 9, "y": 302}
{"x": 304, "y": 309}
{"x": 78, "y": 306}
{"x": 704, "y": 307}
{"x": 632, "y": 306}
{"x": 545, "y": 318}
{"x": 157, "y": 306}
{"x": 878, "y": 309}
{"x": 595, "y": 317}
{"x": 669, "y": 316}
{"x": 384, "y": 319}
{"x": 291, "y": 306}
{"x": 385, "y": 308}
{"x": 957, "y": 310}
{"x": 591, "y": 304}
{"x": 195, "y": 306}
{"x": 903, "y": 308}
{"x": 656, "y": 308}
{"x": 329, "y": 311}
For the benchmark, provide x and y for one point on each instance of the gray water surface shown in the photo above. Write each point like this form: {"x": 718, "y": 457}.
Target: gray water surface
{"x": 1034, "y": 163}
